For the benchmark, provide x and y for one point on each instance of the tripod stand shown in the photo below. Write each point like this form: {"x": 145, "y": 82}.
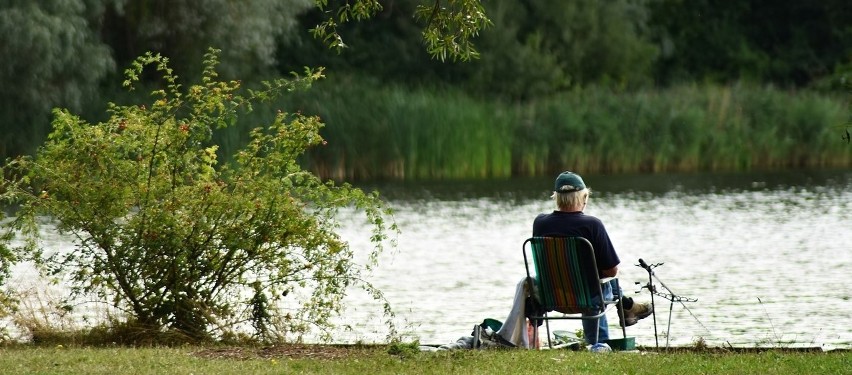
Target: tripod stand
{"x": 668, "y": 295}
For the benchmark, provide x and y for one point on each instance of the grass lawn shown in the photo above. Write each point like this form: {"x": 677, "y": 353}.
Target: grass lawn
{"x": 314, "y": 359}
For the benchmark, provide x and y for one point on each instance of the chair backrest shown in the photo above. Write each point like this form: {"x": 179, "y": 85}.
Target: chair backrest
{"x": 566, "y": 274}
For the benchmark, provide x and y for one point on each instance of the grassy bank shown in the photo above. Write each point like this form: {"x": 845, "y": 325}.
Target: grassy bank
{"x": 378, "y": 131}
{"x": 377, "y": 360}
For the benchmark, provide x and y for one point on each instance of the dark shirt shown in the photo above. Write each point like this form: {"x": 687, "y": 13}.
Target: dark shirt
{"x": 564, "y": 224}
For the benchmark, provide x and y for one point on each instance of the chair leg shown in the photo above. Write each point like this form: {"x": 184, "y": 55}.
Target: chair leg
{"x": 621, "y": 308}
{"x": 547, "y": 325}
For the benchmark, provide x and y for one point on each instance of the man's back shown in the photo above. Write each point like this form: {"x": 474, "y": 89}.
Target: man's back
{"x": 565, "y": 224}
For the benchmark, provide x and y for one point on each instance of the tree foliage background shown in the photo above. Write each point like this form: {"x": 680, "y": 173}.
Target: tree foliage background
{"x": 52, "y": 57}
{"x": 64, "y": 53}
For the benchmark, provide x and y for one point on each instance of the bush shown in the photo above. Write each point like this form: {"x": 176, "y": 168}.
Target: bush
{"x": 179, "y": 241}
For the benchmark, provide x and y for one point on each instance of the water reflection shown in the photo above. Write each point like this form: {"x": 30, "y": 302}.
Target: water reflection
{"x": 766, "y": 255}
{"x": 642, "y": 185}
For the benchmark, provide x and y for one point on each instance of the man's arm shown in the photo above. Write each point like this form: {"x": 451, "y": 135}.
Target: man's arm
{"x": 610, "y": 272}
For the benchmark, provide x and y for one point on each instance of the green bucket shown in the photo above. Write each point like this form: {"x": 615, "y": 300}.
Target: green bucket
{"x": 627, "y": 343}
{"x": 494, "y": 324}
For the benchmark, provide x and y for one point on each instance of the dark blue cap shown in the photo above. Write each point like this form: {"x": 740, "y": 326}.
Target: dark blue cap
{"x": 568, "y": 182}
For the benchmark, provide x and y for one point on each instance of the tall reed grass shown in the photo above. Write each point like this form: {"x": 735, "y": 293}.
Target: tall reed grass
{"x": 378, "y": 131}
{"x": 375, "y": 131}
{"x": 686, "y": 128}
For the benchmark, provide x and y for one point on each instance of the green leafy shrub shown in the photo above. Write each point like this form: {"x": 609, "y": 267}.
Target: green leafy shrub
{"x": 404, "y": 349}
{"x": 180, "y": 241}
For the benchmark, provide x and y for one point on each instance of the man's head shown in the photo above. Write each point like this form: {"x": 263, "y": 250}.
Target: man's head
{"x": 570, "y": 192}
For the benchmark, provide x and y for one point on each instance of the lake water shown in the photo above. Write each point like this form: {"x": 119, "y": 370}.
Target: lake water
{"x": 766, "y": 256}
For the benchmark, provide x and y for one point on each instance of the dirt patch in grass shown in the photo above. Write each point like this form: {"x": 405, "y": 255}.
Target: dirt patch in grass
{"x": 289, "y": 351}
{"x": 743, "y": 350}
{"x": 334, "y": 352}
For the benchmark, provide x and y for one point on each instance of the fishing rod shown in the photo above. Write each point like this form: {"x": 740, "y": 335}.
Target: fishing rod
{"x": 670, "y": 296}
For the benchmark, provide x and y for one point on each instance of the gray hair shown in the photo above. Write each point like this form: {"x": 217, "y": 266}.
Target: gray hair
{"x": 571, "y": 201}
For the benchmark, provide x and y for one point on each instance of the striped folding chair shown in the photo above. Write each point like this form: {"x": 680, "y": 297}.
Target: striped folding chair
{"x": 566, "y": 280}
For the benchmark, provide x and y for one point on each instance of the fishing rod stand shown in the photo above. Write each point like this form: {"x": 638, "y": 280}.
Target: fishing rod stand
{"x": 668, "y": 295}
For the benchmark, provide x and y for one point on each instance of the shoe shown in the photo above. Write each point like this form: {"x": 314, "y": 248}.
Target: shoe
{"x": 637, "y": 312}
{"x": 600, "y": 348}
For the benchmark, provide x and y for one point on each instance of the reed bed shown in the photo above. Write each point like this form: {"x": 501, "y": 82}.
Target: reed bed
{"x": 378, "y": 131}
{"x": 683, "y": 129}
{"x": 375, "y": 131}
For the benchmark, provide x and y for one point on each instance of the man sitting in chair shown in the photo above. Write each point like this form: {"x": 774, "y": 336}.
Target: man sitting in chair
{"x": 571, "y": 196}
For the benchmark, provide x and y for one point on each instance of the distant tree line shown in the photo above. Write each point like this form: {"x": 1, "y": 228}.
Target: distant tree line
{"x": 70, "y": 53}
{"x": 539, "y": 47}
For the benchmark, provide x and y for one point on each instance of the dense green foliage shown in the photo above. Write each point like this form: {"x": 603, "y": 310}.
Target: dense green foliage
{"x": 51, "y": 57}
{"x": 536, "y": 48}
{"x": 449, "y": 25}
{"x": 784, "y": 42}
{"x": 62, "y": 53}
{"x": 173, "y": 238}
{"x": 544, "y": 47}
{"x": 247, "y": 32}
